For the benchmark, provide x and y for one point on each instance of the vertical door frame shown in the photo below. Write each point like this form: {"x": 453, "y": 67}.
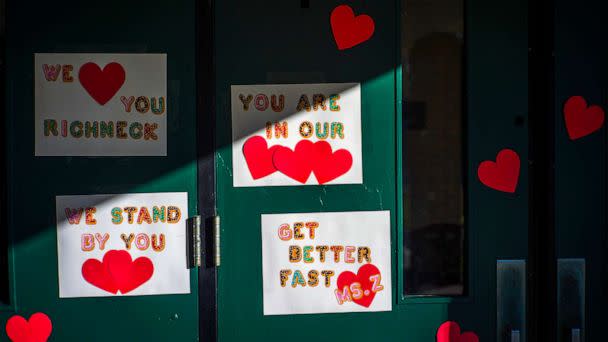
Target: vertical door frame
{"x": 205, "y": 115}
{"x": 5, "y": 295}
{"x": 542, "y": 273}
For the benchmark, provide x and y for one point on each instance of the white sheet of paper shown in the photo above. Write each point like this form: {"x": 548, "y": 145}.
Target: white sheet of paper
{"x": 357, "y": 229}
{"x": 170, "y": 276}
{"x": 251, "y": 121}
{"x": 68, "y": 107}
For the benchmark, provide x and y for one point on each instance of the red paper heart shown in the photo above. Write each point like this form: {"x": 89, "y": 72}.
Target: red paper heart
{"x": 580, "y": 119}
{"x": 296, "y": 164}
{"x": 450, "y": 332}
{"x": 259, "y": 157}
{"x": 346, "y": 278}
{"x": 37, "y": 329}
{"x": 330, "y": 165}
{"x": 503, "y": 174}
{"x": 350, "y": 30}
{"x": 102, "y": 85}
{"x": 96, "y": 273}
{"x": 118, "y": 272}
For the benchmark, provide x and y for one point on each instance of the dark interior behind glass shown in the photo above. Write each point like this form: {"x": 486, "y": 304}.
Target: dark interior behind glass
{"x": 433, "y": 147}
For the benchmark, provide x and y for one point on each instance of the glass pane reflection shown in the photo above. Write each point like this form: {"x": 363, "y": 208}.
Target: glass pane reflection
{"x": 433, "y": 151}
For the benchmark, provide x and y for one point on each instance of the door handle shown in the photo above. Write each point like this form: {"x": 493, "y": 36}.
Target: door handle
{"x": 515, "y": 336}
{"x": 511, "y": 300}
{"x": 571, "y": 300}
{"x": 576, "y": 335}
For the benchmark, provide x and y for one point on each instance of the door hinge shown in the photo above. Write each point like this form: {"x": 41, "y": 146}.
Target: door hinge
{"x": 193, "y": 233}
{"x": 216, "y": 241}
{"x": 198, "y": 238}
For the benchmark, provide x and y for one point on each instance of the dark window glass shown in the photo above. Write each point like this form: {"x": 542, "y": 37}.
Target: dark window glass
{"x": 433, "y": 146}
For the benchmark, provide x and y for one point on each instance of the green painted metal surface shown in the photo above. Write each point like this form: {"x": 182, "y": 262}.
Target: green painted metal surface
{"x": 104, "y": 27}
{"x": 260, "y": 42}
{"x": 274, "y": 42}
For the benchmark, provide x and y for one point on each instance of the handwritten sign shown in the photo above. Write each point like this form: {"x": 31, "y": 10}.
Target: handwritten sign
{"x": 296, "y": 134}
{"x": 132, "y": 244}
{"x": 100, "y": 104}
{"x": 326, "y": 262}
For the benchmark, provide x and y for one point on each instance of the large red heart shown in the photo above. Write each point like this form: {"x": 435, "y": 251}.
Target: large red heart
{"x": 102, "y": 85}
{"x": 450, "y": 332}
{"x": 580, "y": 119}
{"x": 346, "y": 278}
{"x": 296, "y": 164}
{"x": 330, "y": 165}
{"x": 37, "y": 329}
{"x": 259, "y": 157}
{"x": 350, "y": 30}
{"x": 118, "y": 272}
{"x": 503, "y": 174}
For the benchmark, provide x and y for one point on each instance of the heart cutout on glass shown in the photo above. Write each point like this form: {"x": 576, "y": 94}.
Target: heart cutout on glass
{"x": 102, "y": 85}
{"x": 450, "y": 332}
{"x": 350, "y": 30}
{"x": 259, "y": 157}
{"x": 118, "y": 272}
{"x": 37, "y": 329}
{"x": 365, "y": 279}
{"x": 582, "y": 120}
{"x": 503, "y": 174}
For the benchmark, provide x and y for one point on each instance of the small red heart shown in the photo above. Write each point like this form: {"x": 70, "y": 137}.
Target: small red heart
{"x": 296, "y": 164}
{"x": 346, "y": 278}
{"x": 580, "y": 119}
{"x": 450, "y": 332}
{"x": 118, "y": 272}
{"x": 102, "y": 85}
{"x": 259, "y": 157}
{"x": 37, "y": 329}
{"x": 503, "y": 174}
{"x": 330, "y": 165}
{"x": 350, "y": 30}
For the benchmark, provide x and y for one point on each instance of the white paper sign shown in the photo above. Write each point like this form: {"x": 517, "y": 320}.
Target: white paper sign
{"x": 100, "y": 104}
{"x": 131, "y": 244}
{"x": 326, "y": 262}
{"x": 296, "y": 134}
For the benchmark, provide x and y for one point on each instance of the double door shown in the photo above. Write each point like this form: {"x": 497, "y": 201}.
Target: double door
{"x": 441, "y": 89}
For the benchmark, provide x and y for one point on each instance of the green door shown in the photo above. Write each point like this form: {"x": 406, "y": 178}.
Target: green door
{"x": 580, "y": 173}
{"x": 34, "y": 182}
{"x": 430, "y": 188}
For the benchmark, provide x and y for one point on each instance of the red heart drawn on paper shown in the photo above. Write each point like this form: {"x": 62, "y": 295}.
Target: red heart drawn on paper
{"x": 450, "y": 332}
{"x": 330, "y": 165}
{"x": 365, "y": 278}
{"x": 503, "y": 174}
{"x": 350, "y": 30}
{"x": 296, "y": 164}
{"x": 259, "y": 157}
{"x": 37, "y": 329}
{"x": 102, "y": 85}
{"x": 580, "y": 119}
{"x": 118, "y": 272}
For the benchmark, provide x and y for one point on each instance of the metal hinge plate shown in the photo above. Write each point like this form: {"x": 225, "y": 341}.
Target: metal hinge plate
{"x": 193, "y": 227}
{"x": 195, "y": 233}
{"x": 216, "y": 241}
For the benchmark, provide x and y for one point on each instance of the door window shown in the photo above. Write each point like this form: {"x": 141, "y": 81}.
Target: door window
{"x": 433, "y": 147}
